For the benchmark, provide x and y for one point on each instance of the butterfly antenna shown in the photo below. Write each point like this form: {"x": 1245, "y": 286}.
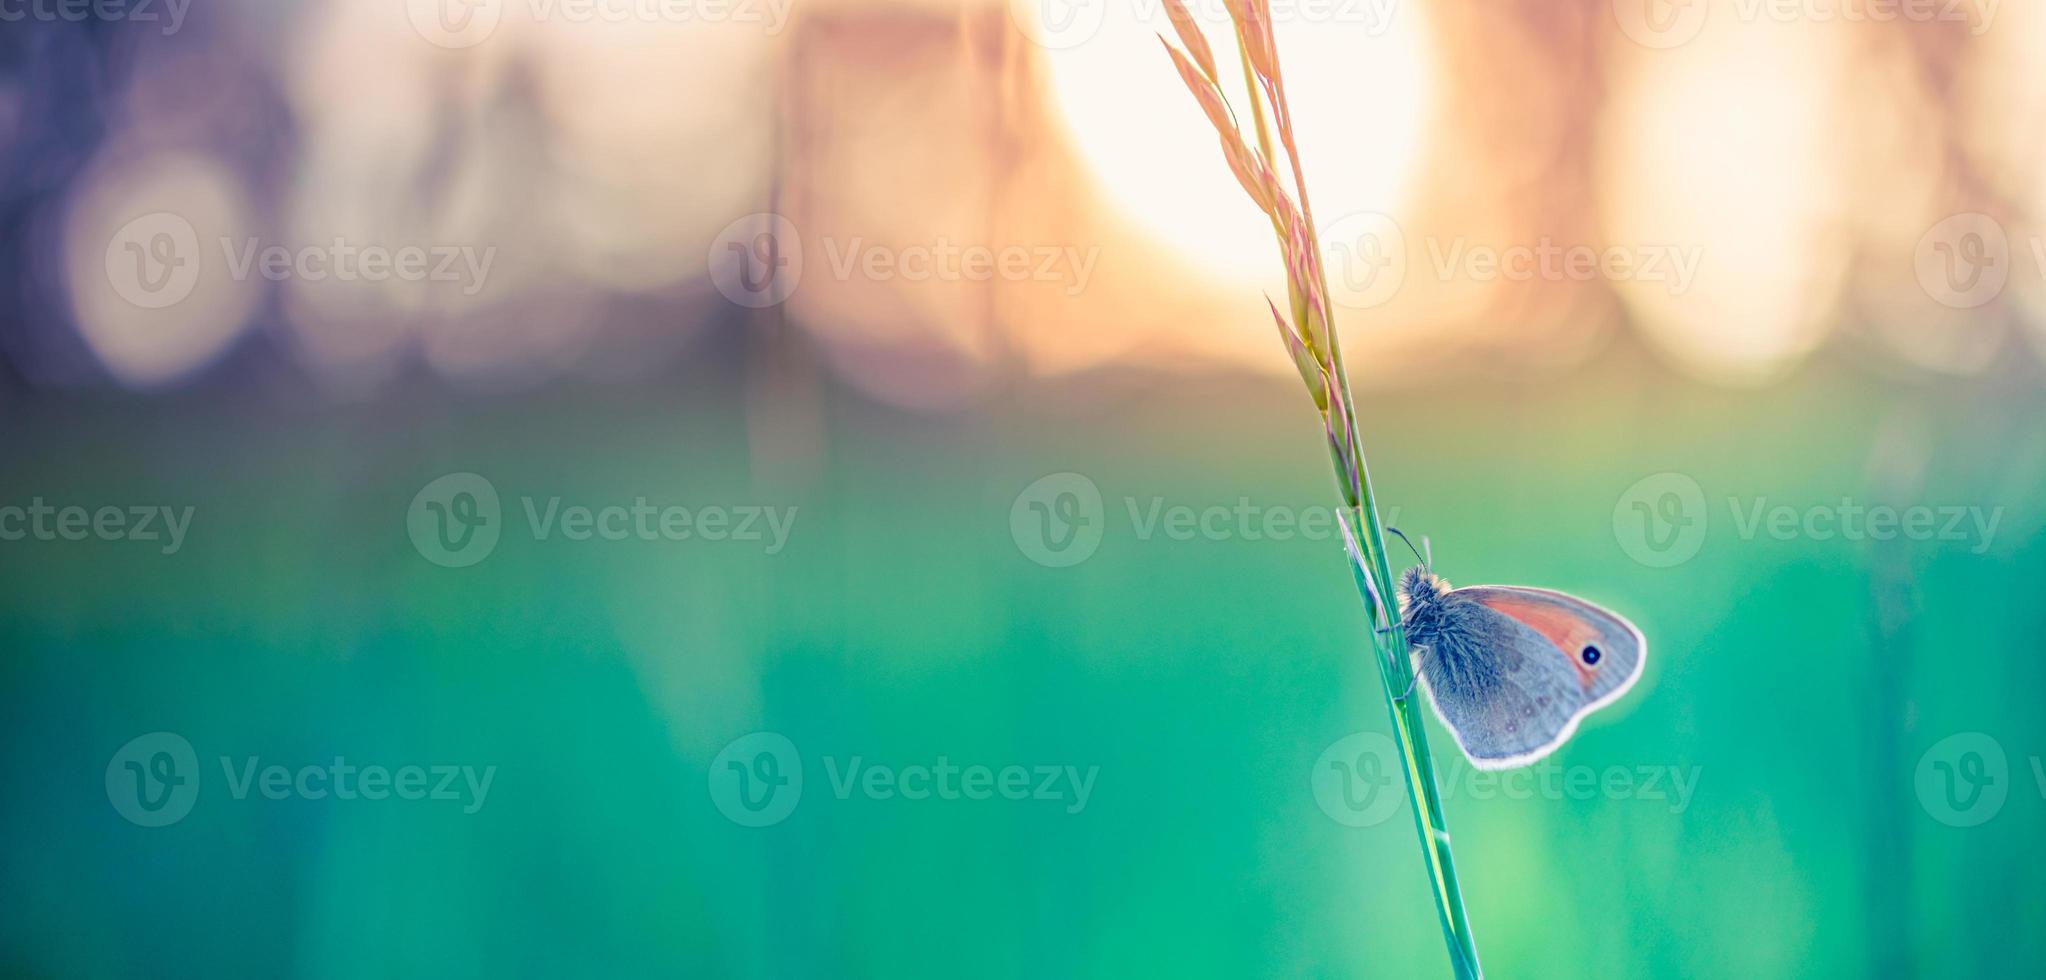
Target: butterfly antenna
{"x": 1427, "y": 560}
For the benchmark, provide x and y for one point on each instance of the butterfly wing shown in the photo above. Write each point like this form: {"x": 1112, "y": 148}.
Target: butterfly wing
{"x": 1513, "y": 670}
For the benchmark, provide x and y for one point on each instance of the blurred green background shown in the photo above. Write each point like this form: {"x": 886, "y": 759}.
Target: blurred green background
{"x": 1796, "y": 685}
{"x": 1637, "y": 307}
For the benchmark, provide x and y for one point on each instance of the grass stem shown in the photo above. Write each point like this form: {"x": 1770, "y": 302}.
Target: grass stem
{"x": 1310, "y": 335}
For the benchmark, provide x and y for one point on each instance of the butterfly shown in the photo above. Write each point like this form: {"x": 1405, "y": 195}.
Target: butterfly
{"x": 1512, "y": 670}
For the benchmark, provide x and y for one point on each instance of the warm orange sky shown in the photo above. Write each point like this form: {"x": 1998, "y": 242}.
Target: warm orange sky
{"x": 1009, "y": 191}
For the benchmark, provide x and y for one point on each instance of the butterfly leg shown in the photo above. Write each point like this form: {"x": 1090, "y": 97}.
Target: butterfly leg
{"x": 1412, "y": 676}
{"x": 1413, "y": 679}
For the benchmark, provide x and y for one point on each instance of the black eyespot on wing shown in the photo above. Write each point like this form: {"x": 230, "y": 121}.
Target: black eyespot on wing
{"x": 1591, "y": 656}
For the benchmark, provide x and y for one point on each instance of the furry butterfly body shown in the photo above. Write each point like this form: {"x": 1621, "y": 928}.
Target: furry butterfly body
{"x": 1511, "y": 671}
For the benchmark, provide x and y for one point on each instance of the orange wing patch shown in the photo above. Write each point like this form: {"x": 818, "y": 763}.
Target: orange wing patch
{"x": 1569, "y": 633}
